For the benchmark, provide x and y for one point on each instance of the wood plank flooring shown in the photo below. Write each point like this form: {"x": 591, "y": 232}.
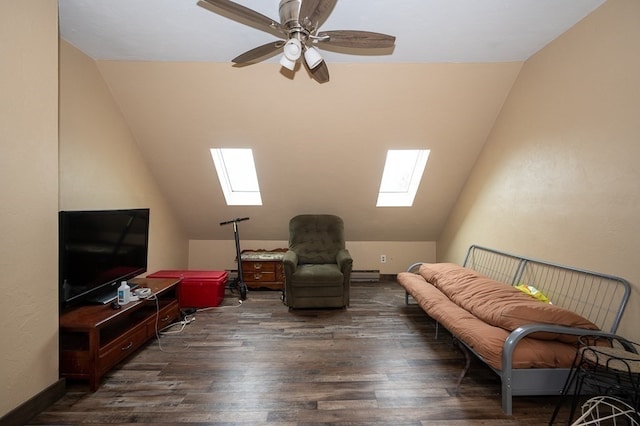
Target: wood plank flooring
{"x": 375, "y": 363}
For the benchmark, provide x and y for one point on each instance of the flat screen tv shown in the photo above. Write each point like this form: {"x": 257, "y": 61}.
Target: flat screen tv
{"x": 98, "y": 249}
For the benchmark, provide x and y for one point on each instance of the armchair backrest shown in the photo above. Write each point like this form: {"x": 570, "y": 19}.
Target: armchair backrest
{"x": 316, "y": 238}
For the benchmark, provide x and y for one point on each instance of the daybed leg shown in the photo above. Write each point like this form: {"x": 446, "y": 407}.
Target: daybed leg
{"x": 467, "y": 364}
{"x": 507, "y": 398}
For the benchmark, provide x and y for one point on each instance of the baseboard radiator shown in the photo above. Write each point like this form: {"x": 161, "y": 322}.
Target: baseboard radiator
{"x": 365, "y": 276}
{"x": 361, "y": 276}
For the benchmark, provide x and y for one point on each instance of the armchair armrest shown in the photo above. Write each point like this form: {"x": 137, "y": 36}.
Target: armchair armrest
{"x": 290, "y": 262}
{"x": 344, "y": 260}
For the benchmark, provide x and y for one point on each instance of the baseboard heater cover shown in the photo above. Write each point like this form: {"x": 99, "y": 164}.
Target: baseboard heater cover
{"x": 368, "y": 275}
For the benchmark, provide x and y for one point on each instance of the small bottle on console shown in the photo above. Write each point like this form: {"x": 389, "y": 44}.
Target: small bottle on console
{"x": 124, "y": 293}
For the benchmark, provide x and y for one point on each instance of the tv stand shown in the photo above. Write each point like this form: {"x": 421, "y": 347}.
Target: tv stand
{"x": 95, "y": 338}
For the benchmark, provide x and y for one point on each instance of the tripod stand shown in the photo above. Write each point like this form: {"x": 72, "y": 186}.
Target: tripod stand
{"x": 239, "y": 281}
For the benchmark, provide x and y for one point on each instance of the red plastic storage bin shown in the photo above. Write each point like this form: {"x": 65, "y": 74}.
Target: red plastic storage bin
{"x": 198, "y": 289}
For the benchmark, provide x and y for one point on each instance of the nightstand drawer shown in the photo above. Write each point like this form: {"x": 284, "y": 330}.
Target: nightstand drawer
{"x": 260, "y": 276}
{"x": 249, "y": 267}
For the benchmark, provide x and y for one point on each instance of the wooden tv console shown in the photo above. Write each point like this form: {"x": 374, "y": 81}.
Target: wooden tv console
{"x": 95, "y": 338}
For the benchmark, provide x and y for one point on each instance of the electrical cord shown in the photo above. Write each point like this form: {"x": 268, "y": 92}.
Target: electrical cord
{"x": 187, "y": 319}
{"x": 220, "y": 307}
{"x": 159, "y": 332}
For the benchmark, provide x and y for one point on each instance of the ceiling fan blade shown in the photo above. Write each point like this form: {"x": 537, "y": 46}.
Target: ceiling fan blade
{"x": 258, "y": 20}
{"x": 319, "y": 73}
{"x": 258, "y": 52}
{"x": 317, "y": 11}
{"x": 360, "y": 39}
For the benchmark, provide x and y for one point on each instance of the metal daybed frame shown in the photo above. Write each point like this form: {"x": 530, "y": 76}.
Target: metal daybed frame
{"x": 600, "y": 298}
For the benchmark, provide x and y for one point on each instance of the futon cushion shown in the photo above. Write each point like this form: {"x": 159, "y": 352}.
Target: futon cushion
{"x": 486, "y": 340}
{"x": 499, "y": 304}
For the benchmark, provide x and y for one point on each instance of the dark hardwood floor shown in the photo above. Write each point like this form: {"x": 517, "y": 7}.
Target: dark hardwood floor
{"x": 375, "y": 363}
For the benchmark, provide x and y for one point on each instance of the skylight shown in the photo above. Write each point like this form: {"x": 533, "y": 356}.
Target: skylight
{"x": 237, "y": 175}
{"x": 401, "y": 177}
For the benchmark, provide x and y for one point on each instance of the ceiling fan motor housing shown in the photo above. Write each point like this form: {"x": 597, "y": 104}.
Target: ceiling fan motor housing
{"x": 290, "y": 19}
{"x": 290, "y": 13}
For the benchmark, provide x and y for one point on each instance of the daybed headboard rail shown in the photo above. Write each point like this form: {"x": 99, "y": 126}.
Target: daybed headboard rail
{"x": 493, "y": 264}
{"x": 600, "y": 298}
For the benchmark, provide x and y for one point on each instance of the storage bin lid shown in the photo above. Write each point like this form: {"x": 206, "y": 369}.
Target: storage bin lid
{"x": 188, "y": 274}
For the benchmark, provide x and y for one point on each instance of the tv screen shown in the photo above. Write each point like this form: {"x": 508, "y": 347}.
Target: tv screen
{"x": 98, "y": 249}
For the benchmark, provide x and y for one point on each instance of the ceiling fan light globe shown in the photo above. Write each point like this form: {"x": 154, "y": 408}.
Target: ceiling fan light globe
{"x": 293, "y": 49}
{"x": 287, "y": 63}
{"x": 312, "y": 57}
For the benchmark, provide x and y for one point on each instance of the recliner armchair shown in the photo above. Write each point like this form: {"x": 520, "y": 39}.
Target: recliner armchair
{"x": 317, "y": 266}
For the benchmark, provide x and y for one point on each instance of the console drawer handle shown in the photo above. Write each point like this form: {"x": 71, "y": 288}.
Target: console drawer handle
{"x": 126, "y": 348}
{"x": 257, "y": 266}
{"x": 165, "y": 319}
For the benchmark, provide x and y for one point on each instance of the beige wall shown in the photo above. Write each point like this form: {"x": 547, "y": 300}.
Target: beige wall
{"x": 100, "y": 164}
{"x": 220, "y": 254}
{"x": 96, "y": 165}
{"x": 29, "y": 193}
{"x": 559, "y": 176}
{"x": 318, "y": 148}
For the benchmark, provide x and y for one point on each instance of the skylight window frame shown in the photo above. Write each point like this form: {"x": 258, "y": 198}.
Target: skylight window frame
{"x": 246, "y": 193}
{"x": 404, "y": 190}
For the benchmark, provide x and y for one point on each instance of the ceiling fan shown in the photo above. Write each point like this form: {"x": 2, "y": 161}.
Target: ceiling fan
{"x": 298, "y": 28}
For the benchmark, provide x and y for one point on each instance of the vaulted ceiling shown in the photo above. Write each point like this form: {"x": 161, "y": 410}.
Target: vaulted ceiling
{"x": 318, "y": 148}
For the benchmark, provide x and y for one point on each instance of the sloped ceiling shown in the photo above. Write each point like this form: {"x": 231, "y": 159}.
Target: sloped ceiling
{"x": 426, "y": 30}
{"x": 318, "y": 148}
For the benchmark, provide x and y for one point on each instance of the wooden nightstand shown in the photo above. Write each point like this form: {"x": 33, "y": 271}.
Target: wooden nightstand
{"x": 263, "y": 268}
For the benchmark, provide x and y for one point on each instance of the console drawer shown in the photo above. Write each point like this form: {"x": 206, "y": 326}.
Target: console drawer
{"x": 121, "y": 347}
{"x": 166, "y": 316}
